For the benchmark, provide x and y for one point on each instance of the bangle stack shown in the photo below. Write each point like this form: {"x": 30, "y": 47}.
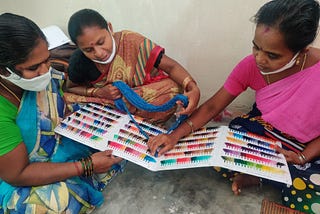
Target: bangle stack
{"x": 90, "y": 92}
{"x": 302, "y": 158}
{"x": 186, "y": 81}
{"x": 94, "y": 91}
{"x": 87, "y": 166}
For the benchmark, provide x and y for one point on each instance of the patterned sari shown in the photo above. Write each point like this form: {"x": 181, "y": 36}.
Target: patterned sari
{"x": 133, "y": 64}
{"x": 38, "y": 115}
{"x": 304, "y": 193}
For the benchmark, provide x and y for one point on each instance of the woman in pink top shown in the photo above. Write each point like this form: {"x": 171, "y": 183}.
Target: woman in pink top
{"x": 285, "y": 73}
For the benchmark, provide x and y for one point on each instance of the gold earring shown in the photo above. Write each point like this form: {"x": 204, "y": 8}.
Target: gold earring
{"x": 298, "y": 61}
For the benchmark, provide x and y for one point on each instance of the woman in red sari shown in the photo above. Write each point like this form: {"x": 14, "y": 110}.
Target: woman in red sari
{"x": 285, "y": 73}
{"x": 105, "y": 56}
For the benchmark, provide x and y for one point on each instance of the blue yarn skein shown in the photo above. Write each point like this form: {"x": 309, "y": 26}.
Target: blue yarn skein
{"x": 141, "y": 104}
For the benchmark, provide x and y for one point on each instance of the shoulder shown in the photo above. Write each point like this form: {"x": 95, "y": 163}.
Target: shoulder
{"x": 10, "y": 135}
{"x": 7, "y": 109}
{"x": 246, "y": 66}
{"x": 313, "y": 56}
{"x": 130, "y": 36}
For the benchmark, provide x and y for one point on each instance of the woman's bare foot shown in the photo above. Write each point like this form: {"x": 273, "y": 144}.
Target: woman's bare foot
{"x": 243, "y": 180}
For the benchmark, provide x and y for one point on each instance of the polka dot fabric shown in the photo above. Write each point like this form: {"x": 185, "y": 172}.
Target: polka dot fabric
{"x": 304, "y": 193}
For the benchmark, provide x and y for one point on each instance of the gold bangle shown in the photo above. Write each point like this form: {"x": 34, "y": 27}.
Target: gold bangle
{"x": 186, "y": 81}
{"x": 89, "y": 91}
{"x": 94, "y": 91}
{"x": 190, "y": 123}
{"x": 302, "y": 158}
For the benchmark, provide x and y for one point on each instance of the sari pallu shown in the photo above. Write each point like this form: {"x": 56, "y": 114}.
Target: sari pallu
{"x": 304, "y": 193}
{"x": 292, "y": 104}
{"x": 37, "y": 117}
{"x": 134, "y": 64}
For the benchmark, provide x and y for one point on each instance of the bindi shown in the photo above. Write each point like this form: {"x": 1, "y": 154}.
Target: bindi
{"x": 266, "y": 29}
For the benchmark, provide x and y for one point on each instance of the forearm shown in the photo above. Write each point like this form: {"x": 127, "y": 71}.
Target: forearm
{"x": 175, "y": 71}
{"x": 197, "y": 120}
{"x": 312, "y": 150}
{"x": 204, "y": 113}
{"x": 83, "y": 90}
{"x": 42, "y": 173}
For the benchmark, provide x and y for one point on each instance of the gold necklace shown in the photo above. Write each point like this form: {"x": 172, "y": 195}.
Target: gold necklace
{"x": 302, "y": 67}
{"x": 304, "y": 61}
{"x": 11, "y": 92}
{"x": 268, "y": 80}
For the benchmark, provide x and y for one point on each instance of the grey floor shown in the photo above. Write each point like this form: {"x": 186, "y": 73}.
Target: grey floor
{"x": 186, "y": 191}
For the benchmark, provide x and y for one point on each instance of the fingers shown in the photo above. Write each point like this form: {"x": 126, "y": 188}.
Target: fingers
{"x": 291, "y": 157}
{"x": 117, "y": 159}
{"x": 279, "y": 149}
{"x": 108, "y": 152}
{"x": 156, "y": 145}
{"x": 111, "y": 92}
{"x": 153, "y": 145}
{"x": 186, "y": 111}
{"x": 164, "y": 149}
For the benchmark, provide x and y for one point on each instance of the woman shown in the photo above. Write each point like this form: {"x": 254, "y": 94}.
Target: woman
{"x": 39, "y": 171}
{"x": 105, "y": 56}
{"x": 284, "y": 71}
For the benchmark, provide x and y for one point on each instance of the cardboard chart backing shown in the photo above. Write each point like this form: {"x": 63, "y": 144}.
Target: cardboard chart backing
{"x": 103, "y": 128}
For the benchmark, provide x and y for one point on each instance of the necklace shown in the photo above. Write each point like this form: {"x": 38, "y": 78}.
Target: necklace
{"x": 304, "y": 61}
{"x": 302, "y": 67}
{"x": 11, "y": 92}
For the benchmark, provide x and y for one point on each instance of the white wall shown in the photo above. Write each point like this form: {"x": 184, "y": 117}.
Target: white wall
{"x": 208, "y": 37}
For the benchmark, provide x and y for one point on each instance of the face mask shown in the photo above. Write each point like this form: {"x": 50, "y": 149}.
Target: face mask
{"x": 285, "y": 67}
{"x": 35, "y": 84}
{"x": 112, "y": 54}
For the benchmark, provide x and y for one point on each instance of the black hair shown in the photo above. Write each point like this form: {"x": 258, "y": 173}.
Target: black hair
{"x": 297, "y": 20}
{"x": 18, "y": 37}
{"x": 82, "y": 19}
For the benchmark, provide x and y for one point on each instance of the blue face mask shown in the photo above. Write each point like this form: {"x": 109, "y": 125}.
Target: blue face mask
{"x": 38, "y": 83}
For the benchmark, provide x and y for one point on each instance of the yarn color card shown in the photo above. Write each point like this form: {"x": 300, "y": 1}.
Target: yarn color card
{"x": 102, "y": 128}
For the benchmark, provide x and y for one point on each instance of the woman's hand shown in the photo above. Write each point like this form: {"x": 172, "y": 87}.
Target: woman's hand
{"x": 193, "y": 93}
{"x": 291, "y": 156}
{"x": 160, "y": 144}
{"x": 102, "y": 161}
{"x": 108, "y": 91}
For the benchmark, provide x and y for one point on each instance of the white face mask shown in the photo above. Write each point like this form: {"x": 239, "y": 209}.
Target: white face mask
{"x": 112, "y": 54}
{"x": 35, "y": 84}
{"x": 285, "y": 67}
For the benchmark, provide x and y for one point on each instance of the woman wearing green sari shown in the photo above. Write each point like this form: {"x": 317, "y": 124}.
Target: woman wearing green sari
{"x": 41, "y": 172}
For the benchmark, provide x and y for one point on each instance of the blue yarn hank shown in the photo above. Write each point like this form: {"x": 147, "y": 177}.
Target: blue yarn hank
{"x": 141, "y": 104}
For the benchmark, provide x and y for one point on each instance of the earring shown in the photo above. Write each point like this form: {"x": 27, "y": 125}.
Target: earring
{"x": 298, "y": 61}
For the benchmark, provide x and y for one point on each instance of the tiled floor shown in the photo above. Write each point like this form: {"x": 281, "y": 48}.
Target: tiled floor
{"x": 186, "y": 191}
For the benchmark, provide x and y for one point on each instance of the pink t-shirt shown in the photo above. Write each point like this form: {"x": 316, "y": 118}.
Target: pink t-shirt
{"x": 244, "y": 75}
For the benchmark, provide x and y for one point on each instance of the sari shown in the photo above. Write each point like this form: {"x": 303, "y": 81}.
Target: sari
{"x": 38, "y": 115}
{"x": 292, "y": 104}
{"x": 134, "y": 65}
{"x": 288, "y": 111}
{"x": 304, "y": 193}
